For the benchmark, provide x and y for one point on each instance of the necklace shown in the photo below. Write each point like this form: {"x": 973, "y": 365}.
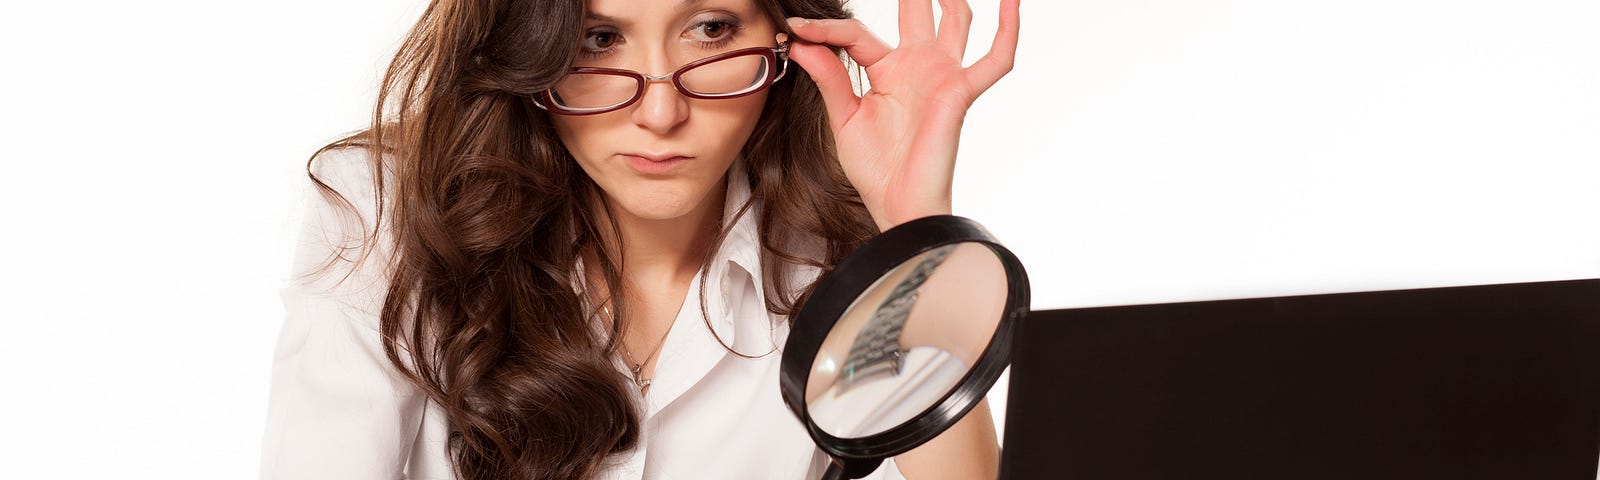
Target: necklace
{"x": 637, "y": 367}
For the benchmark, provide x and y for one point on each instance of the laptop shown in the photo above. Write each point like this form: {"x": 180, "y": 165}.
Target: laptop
{"x": 1481, "y": 382}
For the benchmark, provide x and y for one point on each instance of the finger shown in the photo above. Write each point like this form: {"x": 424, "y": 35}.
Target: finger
{"x": 954, "y": 24}
{"x": 828, "y": 71}
{"x": 1002, "y": 55}
{"x": 916, "y": 21}
{"x": 862, "y": 46}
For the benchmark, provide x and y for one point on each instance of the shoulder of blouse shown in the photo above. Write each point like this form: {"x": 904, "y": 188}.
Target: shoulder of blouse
{"x": 336, "y": 407}
{"x": 344, "y": 248}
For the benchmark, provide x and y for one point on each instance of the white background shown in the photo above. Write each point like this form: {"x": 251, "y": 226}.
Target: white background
{"x": 152, "y": 158}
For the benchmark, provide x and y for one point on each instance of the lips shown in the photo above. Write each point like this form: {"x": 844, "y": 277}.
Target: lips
{"x": 655, "y": 163}
{"x": 656, "y": 157}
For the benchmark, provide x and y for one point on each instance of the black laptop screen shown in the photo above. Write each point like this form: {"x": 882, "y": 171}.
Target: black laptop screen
{"x": 1492, "y": 381}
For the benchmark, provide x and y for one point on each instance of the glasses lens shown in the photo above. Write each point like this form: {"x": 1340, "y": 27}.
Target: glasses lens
{"x": 729, "y": 76}
{"x": 588, "y": 91}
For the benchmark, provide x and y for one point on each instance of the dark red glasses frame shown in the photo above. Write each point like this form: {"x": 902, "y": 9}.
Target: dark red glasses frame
{"x": 775, "y": 56}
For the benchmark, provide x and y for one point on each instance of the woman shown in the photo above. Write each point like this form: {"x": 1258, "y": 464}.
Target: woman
{"x": 539, "y": 264}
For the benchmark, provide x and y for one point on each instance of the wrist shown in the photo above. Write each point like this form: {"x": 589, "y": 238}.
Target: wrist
{"x": 894, "y": 217}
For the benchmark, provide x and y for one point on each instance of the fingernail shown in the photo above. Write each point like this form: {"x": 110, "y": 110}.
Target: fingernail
{"x": 797, "y": 22}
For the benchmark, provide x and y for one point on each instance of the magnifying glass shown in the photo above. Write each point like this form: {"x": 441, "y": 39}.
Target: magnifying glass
{"x": 902, "y": 339}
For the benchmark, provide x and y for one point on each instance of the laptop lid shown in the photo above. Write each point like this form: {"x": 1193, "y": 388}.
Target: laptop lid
{"x": 1495, "y": 381}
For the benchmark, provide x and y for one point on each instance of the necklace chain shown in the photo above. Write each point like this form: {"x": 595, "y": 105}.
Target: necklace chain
{"x": 637, "y": 368}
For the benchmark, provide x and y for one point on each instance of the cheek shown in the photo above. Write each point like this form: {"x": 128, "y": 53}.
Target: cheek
{"x": 590, "y": 140}
{"x": 735, "y": 119}
{"x": 573, "y": 131}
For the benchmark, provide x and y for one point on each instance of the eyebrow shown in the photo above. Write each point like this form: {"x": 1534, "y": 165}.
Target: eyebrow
{"x": 609, "y": 19}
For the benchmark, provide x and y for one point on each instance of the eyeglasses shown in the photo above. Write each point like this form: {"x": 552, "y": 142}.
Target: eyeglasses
{"x": 588, "y": 91}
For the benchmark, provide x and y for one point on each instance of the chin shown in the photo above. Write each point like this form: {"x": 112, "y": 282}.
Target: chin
{"x": 657, "y": 207}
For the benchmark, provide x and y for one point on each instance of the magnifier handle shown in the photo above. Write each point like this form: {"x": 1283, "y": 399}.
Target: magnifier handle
{"x": 834, "y": 472}
{"x": 839, "y": 469}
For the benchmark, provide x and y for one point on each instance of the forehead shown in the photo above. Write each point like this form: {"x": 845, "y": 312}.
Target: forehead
{"x": 633, "y": 11}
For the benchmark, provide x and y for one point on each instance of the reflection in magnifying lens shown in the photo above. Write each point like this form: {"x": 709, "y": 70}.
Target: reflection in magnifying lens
{"x": 907, "y": 341}
{"x": 876, "y": 350}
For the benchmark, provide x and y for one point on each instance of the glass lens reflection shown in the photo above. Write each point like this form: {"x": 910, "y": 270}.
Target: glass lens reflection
{"x": 727, "y": 76}
{"x": 593, "y": 90}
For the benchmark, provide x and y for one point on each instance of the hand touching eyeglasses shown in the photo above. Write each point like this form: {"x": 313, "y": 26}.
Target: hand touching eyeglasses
{"x": 897, "y": 142}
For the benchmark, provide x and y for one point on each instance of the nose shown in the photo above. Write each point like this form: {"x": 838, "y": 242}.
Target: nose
{"x": 662, "y": 108}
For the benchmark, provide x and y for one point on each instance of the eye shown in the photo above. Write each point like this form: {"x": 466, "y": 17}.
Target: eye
{"x": 599, "y": 40}
{"x": 714, "y": 32}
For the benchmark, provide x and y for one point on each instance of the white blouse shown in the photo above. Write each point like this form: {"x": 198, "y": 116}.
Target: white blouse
{"x": 338, "y": 409}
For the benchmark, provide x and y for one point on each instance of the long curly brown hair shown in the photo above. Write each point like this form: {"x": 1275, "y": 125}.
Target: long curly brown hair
{"x": 487, "y": 212}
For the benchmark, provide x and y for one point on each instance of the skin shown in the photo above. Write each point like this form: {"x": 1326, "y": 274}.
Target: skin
{"x": 897, "y": 145}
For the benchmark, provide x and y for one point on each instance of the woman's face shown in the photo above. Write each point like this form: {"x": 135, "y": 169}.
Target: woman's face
{"x": 662, "y": 156}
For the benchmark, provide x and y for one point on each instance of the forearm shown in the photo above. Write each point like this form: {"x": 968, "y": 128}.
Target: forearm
{"x": 969, "y": 449}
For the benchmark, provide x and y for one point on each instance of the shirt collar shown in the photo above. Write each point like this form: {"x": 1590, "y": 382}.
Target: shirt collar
{"x": 741, "y": 248}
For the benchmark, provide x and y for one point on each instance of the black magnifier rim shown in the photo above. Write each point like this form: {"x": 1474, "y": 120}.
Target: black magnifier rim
{"x": 835, "y": 292}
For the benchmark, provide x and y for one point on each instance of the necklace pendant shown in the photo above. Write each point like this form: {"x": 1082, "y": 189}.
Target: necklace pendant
{"x": 638, "y": 377}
